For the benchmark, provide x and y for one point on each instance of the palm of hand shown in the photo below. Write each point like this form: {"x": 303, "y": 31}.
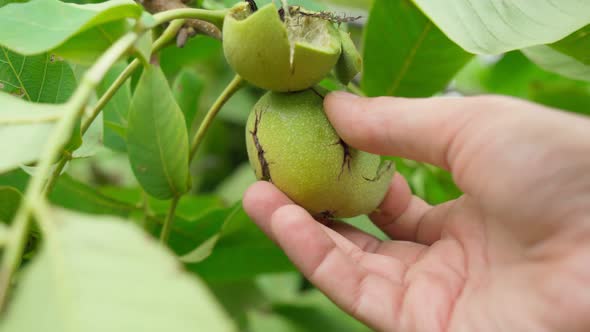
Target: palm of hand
{"x": 507, "y": 256}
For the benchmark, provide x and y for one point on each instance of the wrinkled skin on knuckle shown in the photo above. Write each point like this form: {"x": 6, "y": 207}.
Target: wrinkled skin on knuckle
{"x": 309, "y": 162}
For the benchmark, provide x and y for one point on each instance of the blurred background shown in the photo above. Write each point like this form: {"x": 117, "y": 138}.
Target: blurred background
{"x": 251, "y": 276}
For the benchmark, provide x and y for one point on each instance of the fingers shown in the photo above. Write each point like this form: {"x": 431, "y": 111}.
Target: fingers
{"x": 332, "y": 269}
{"x": 367, "y": 286}
{"x": 261, "y": 200}
{"x": 419, "y": 129}
{"x": 405, "y": 217}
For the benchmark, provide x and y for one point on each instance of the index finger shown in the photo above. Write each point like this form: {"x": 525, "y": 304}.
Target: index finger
{"x": 419, "y": 129}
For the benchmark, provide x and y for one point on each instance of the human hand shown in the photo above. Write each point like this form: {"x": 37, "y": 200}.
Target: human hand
{"x": 511, "y": 254}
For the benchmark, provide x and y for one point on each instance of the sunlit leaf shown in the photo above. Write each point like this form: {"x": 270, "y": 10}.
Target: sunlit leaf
{"x": 492, "y": 27}
{"x": 103, "y": 274}
{"x": 24, "y": 130}
{"x": 557, "y": 62}
{"x": 42, "y": 25}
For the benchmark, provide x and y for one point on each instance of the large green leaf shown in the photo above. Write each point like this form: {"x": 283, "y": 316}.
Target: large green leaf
{"x": 116, "y": 110}
{"x": 157, "y": 138}
{"x": 557, "y": 62}
{"x": 103, "y": 274}
{"x": 42, "y": 25}
{"x": 9, "y": 202}
{"x": 40, "y": 78}
{"x": 405, "y": 54}
{"x": 24, "y": 129}
{"x": 492, "y": 26}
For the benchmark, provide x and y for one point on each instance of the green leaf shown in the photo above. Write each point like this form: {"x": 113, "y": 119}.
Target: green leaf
{"x": 87, "y": 46}
{"x": 27, "y": 124}
{"x": 186, "y": 234}
{"x": 75, "y": 195}
{"x": 189, "y": 207}
{"x": 187, "y": 88}
{"x": 401, "y": 46}
{"x": 103, "y": 274}
{"x": 116, "y": 110}
{"x": 42, "y": 78}
{"x": 157, "y": 138}
{"x": 205, "y": 249}
{"x": 492, "y": 27}
{"x": 566, "y": 95}
{"x": 242, "y": 251}
{"x": 576, "y": 45}
{"x": 42, "y": 25}
{"x": 9, "y": 202}
{"x": 557, "y": 62}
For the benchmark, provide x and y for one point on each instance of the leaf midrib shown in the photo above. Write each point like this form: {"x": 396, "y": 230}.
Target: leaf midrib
{"x": 410, "y": 59}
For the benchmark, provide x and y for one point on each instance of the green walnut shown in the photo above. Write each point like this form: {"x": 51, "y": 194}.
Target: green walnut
{"x": 278, "y": 50}
{"x": 292, "y": 144}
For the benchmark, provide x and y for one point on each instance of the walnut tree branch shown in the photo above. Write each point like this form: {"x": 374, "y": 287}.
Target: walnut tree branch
{"x": 191, "y": 27}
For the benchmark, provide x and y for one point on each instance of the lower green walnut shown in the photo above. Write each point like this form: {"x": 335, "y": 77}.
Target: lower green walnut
{"x": 292, "y": 144}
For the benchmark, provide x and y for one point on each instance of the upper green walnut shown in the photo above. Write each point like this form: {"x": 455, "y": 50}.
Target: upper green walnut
{"x": 292, "y": 144}
{"x": 288, "y": 52}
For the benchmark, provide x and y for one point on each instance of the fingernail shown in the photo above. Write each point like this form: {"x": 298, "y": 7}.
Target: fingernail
{"x": 339, "y": 100}
{"x": 343, "y": 96}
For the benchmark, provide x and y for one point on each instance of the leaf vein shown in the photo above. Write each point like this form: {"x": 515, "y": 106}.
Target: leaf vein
{"x": 411, "y": 56}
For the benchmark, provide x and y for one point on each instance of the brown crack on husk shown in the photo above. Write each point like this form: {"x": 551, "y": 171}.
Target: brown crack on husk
{"x": 383, "y": 168}
{"x": 191, "y": 28}
{"x": 264, "y": 164}
{"x": 346, "y": 157}
{"x": 252, "y": 4}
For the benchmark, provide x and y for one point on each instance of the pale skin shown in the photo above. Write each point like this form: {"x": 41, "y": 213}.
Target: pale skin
{"x": 511, "y": 254}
